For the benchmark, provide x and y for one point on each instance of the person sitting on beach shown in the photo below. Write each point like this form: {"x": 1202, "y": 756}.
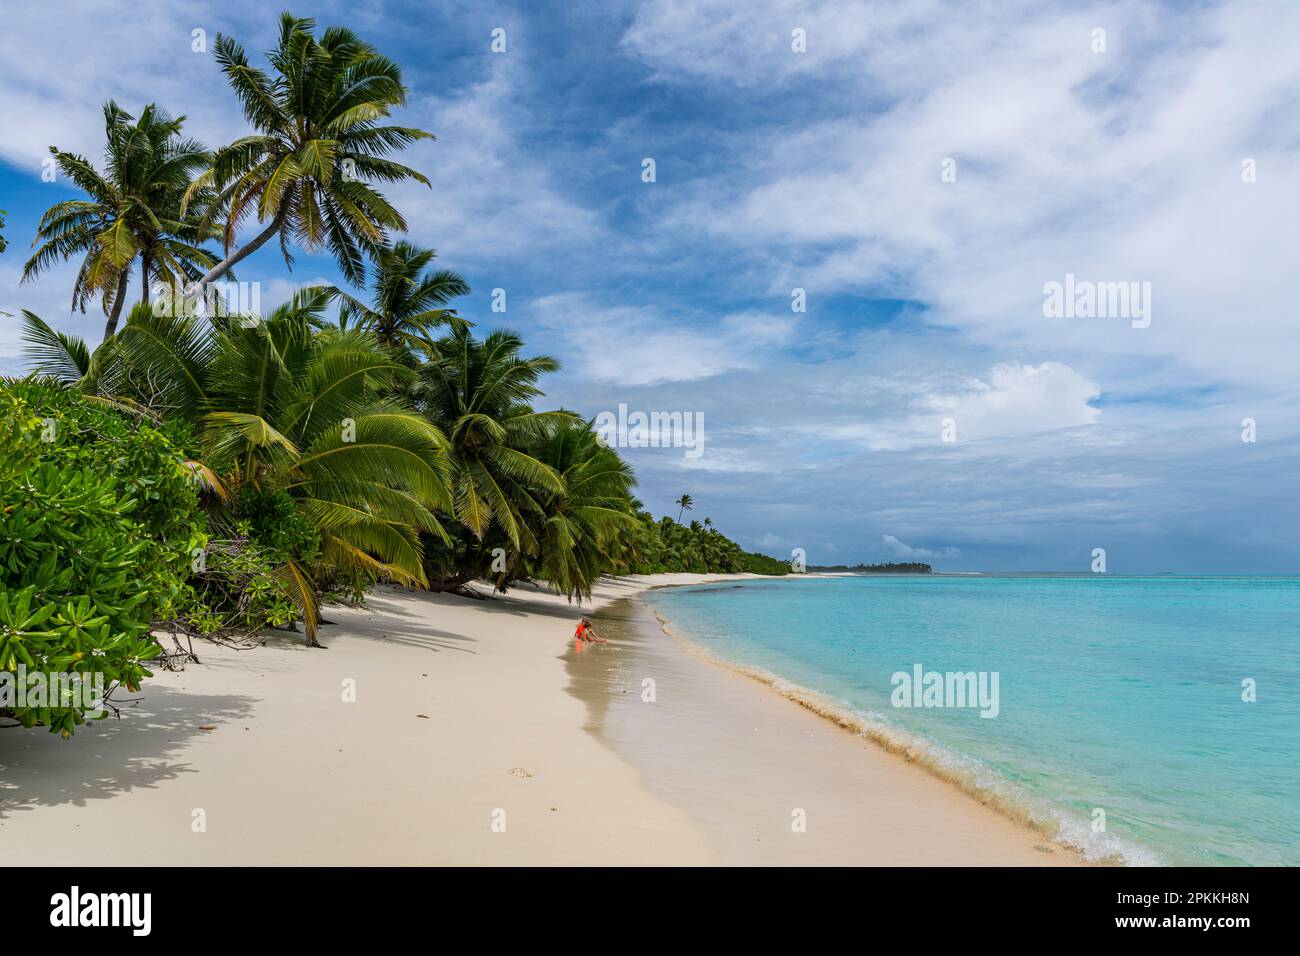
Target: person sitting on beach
{"x": 586, "y": 632}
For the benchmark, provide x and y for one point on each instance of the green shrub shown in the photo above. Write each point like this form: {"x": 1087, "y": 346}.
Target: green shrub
{"x": 273, "y": 520}
{"x": 238, "y": 589}
{"x": 98, "y": 524}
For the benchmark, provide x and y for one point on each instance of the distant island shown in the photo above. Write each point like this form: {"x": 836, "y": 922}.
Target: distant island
{"x": 902, "y": 567}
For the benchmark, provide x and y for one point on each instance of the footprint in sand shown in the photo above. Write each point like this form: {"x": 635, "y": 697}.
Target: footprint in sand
{"x": 519, "y": 772}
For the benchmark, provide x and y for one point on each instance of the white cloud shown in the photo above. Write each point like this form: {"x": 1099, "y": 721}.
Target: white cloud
{"x": 637, "y": 345}
{"x": 751, "y": 45}
{"x": 278, "y": 291}
{"x": 1011, "y": 401}
{"x": 1019, "y": 400}
{"x": 61, "y": 64}
{"x": 492, "y": 197}
{"x": 900, "y": 549}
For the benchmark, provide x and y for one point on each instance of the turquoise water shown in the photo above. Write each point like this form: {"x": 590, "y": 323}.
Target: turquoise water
{"x": 1116, "y": 694}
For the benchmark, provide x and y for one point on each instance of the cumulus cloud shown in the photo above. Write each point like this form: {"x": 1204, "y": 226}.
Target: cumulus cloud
{"x": 1020, "y": 400}
{"x": 933, "y": 406}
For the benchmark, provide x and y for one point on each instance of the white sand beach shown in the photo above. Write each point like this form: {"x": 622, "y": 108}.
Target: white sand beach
{"x": 469, "y": 715}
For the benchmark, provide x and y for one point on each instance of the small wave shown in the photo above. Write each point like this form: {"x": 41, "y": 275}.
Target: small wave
{"x": 965, "y": 772}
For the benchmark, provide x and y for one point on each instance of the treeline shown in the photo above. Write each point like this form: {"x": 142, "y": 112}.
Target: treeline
{"x": 668, "y": 546}
{"x": 896, "y": 567}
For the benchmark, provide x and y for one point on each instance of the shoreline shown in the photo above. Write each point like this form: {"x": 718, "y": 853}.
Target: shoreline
{"x": 860, "y": 802}
{"x": 915, "y": 750}
{"x": 463, "y": 743}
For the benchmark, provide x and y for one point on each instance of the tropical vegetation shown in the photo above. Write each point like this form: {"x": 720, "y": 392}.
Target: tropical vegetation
{"x": 209, "y": 474}
{"x": 99, "y": 522}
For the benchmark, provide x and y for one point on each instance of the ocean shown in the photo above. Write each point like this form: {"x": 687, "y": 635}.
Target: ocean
{"x": 1121, "y": 726}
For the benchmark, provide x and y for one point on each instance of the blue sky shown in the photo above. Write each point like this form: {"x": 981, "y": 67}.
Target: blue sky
{"x": 823, "y": 171}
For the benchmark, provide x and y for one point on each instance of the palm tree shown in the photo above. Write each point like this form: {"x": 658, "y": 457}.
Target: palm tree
{"x": 477, "y": 392}
{"x": 305, "y": 173}
{"x": 134, "y": 211}
{"x": 407, "y": 301}
{"x": 279, "y": 408}
{"x": 685, "y": 503}
{"x": 582, "y": 527}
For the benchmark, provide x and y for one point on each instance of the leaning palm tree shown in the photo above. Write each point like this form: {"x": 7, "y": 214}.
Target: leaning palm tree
{"x": 280, "y": 409}
{"x": 305, "y": 173}
{"x": 478, "y": 392}
{"x": 407, "y": 301}
{"x": 134, "y": 211}
{"x": 684, "y": 503}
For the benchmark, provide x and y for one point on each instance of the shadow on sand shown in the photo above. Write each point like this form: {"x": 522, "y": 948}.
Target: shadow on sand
{"x": 411, "y": 628}
{"x": 110, "y": 756}
{"x": 143, "y": 748}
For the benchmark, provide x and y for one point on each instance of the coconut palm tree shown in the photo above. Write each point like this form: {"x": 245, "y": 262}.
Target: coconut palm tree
{"x": 306, "y": 173}
{"x": 583, "y": 527}
{"x": 134, "y": 211}
{"x": 684, "y": 503}
{"x": 477, "y": 392}
{"x": 406, "y": 300}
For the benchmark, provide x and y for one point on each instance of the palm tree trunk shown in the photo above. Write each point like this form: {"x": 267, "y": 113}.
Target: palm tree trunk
{"x": 228, "y": 263}
{"x": 144, "y": 279}
{"x": 118, "y": 298}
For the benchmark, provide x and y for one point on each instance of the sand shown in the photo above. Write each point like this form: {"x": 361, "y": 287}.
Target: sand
{"x": 442, "y": 730}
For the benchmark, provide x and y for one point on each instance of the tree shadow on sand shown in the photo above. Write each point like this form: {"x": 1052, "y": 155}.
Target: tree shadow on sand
{"x": 514, "y": 602}
{"x": 111, "y": 756}
{"x": 402, "y": 626}
{"x": 411, "y": 628}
